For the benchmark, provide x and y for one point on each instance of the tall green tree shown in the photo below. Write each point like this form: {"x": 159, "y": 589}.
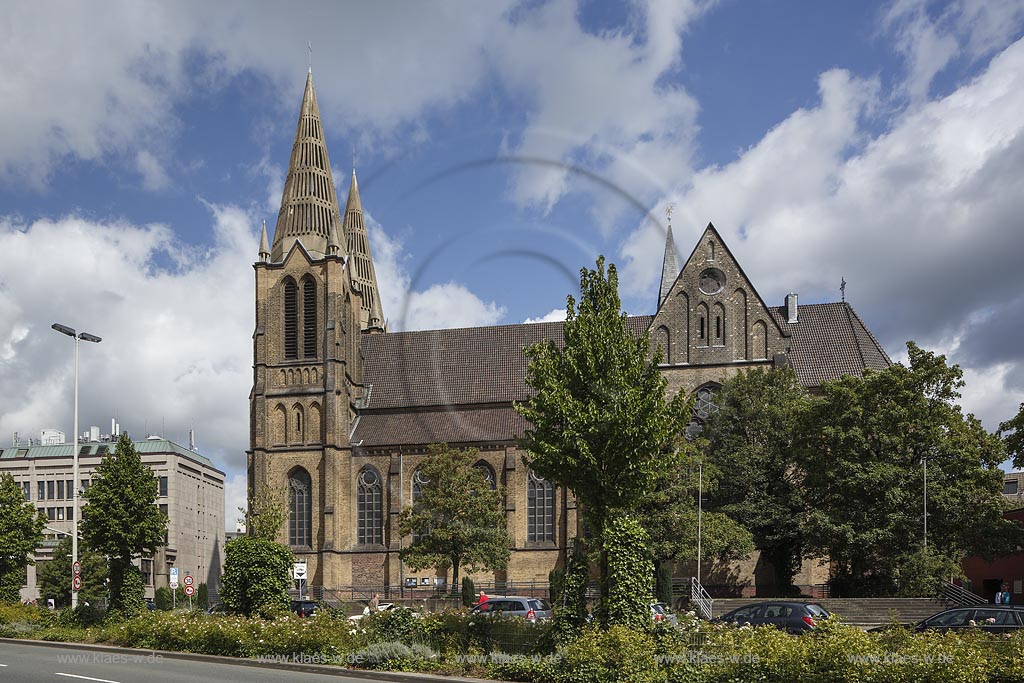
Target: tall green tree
{"x": 1012, "y": 433}
{"x": 600, "y": 423}
{"x": 458, "y": 520}
{"x": 864, "y": 476}
{"x": 122, "y": 521}
{"x": 756, "y": 435}
{"x": 669, "y": 513}
{"x": 53, "y": 577}
{"x": 256, "y": 567}
{"x": 21, "y": 532}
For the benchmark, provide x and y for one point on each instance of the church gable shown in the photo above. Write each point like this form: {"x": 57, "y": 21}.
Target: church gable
{"x": 712, "y": 314}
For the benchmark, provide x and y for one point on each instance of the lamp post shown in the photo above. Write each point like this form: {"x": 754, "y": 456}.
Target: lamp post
{"x": 700, "y": 513}
{"x": 924, "y": 461}
{"x": 64, "y": 329}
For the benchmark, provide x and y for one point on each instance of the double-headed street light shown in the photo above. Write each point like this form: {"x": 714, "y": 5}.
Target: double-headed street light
{"x": 64, "y": 329}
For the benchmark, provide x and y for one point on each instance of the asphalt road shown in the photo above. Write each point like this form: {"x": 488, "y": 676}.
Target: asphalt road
{"x": 43, "y": 664}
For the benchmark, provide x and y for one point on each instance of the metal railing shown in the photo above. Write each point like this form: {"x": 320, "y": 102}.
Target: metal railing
{"x": 958, "y": 595}
{"x": 701, "y": 599}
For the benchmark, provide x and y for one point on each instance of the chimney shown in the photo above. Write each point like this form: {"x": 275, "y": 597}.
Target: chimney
{"x": 792, "y": 312}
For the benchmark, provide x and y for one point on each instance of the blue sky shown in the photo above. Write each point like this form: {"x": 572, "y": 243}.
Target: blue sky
{"x": 500, "y": 147}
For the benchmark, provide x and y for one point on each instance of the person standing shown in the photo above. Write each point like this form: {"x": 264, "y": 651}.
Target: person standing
{"x": 1003, "y": 596}
{"x": 374, "y": 603}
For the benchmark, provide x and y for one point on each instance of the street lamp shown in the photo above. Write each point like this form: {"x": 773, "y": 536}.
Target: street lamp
{"x": 64, "y": 329}
{"x": 700, "y": 512}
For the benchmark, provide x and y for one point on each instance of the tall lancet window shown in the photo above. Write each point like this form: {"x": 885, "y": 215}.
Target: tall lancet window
{"x": 300, "y": 508}
{"x": 369, "y": 522}
{"x": 540, "y": 510}
{"x": 291, "y": 321}
{"x": 308, "y": 318}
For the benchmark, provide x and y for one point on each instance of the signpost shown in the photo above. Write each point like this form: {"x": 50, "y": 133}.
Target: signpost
{"x": 76, "y": 576}
{"x": 189, "y": 588}
{"x": 299, "y": 574}
{"x": 174, "y": 587}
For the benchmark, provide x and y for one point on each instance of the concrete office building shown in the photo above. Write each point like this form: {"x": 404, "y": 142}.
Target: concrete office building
{"x": 191, "y": 493}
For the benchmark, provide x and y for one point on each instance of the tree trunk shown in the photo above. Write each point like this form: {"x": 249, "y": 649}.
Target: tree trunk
{"x": 455, "y": 573}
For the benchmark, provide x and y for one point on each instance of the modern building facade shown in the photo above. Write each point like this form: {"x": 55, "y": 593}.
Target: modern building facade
{"x": 191, "y": 492}
{"x": 342, "y": 411}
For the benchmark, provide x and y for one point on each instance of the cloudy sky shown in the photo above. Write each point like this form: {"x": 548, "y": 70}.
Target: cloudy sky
{"x": 500, "y": 147}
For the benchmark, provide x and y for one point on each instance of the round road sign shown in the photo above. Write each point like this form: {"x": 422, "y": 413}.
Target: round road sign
{"x": 76, "y": 583}
{"x": 189, "y": 580}
{"x": 76, "y": 568}
{"x": 190, "y": 591}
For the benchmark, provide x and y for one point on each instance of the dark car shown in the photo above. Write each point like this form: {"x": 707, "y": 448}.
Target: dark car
{"x": 305, "y": 608}
{"x": 990, "y": 618}
{"x": 531, "y": 609}
{"x": 792, "y": 617}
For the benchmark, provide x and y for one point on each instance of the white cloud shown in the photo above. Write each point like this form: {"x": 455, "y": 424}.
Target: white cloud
{"x": 176, "y": 347}
{"x": 556, "y": 315}
{"x": 236, "y": 497}
{"x": 153, "y": 175}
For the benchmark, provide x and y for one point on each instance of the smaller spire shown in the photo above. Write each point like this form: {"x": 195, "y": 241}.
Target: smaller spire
{"x": 332, "y": 239}
{"x": 354, "y": 202}
{"x": 669, "y": 268}
{"x": 264, "y": 245}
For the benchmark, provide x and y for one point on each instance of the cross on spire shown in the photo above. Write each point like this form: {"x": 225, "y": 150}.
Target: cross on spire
{"x": 842, "y": 288}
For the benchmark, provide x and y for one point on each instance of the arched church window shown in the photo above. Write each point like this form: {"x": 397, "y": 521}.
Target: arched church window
{"x": 291, "y": 321}
{"x": 704, "y": 406}
{"x": 300, "y": 508}
{"x": 419, "y": 482}
{"x": 540, "y": 509}
{"x": 309, "y": 318}
{"x": 369, "y": 518}
{"x": 488, "y": 473}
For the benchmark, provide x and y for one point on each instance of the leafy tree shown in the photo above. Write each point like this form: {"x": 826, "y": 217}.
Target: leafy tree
{"x": 669, "y": 514}
{"x": 53, "y": 577}
{"x": 600, "y": 423}
{"x": 256, "y": 580}
{"x": 123, "y": 522}
{"x": 21, "y": 531}
{"x": 256, "y": 567}
{"x": 864, "y": 475}
{"x": 1012, "y": 433}
{"x": 756, "y": 434}
{"x": 458, "y": 520}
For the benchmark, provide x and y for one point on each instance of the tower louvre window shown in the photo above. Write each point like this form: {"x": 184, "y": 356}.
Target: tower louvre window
{"x": 291, "y": 321}
{"x": 309, "y": 318}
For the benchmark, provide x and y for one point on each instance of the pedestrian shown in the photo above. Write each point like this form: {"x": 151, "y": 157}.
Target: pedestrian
{"x": 1003, "y": 596}
{"x": 374, "y": 603}
{"x": 483, "y": 598}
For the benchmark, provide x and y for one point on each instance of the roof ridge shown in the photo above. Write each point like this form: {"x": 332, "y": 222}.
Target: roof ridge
{"x": 870, "y": 334}
{"x": 488, "y": 327}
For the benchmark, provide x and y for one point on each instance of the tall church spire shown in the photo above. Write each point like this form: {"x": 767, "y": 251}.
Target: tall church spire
{"x": 669, "y": 269}
{"x": 309, "y": 203}
{"x": 361, "y": 265}
{"x": 264, "y": 245}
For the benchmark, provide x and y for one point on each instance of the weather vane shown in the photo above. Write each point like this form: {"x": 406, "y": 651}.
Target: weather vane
{"x": 842, "y": 287}
{"x": 669, "y": 208}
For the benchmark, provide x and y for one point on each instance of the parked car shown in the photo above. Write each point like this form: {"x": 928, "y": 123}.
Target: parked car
{"x": 217, "y": 608}
{"x": 990, "y": 618}
{"x": 382, "y": 607}
{"x": 305, "y": 608}
{"x": 792, "y": 617}
{"x": 531, "y": 609}
{"x": 660, "y": 611}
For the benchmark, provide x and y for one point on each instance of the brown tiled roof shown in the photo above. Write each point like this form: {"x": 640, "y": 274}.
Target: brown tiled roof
{"x": 457, "y": 385}
{"x": 830, "y": 341}
{"x": 457, "y": 366}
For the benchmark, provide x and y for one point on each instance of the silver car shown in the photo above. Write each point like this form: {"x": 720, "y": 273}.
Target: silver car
{"x": 531, "y": 609}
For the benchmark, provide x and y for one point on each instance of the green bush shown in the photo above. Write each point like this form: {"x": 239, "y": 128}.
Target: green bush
{"x": 468, "y": 592}
{"x": 391, "y": 655}
{"x": 162, "y": 598}
{"x": 617, "y": 654}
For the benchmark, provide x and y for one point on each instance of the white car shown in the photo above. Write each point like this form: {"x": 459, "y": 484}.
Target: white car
{"x": 382, "y": 607}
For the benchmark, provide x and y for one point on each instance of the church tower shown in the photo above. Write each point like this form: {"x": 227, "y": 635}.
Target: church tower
{"x": 311, "y": 311}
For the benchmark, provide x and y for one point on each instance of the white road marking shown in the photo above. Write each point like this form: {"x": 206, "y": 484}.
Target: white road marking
{"x": 86, "y": 678}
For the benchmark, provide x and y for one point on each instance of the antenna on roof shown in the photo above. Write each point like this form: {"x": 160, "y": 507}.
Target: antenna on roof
{"x": 842, "y": 288}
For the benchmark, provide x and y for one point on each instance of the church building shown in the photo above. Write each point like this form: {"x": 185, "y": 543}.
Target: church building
{"x": 342, "y": 410}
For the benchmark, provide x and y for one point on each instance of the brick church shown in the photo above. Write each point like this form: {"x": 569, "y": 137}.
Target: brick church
{"x": 342, "y": 410}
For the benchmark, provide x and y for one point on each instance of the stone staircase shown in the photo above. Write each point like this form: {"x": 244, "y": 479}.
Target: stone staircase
{"x": 863, "y": 612}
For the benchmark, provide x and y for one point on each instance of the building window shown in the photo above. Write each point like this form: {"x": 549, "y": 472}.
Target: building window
{"x": 60, "y": 489}
{"x": 26, "y": 488}
{"x": 85, "y": 484}
{"x": 60, "y": 514}
{"x": 50, "y": 490}
{"x": 291, "y": 321}
{"x": 51, "y": 514}
{"x": 69, "y": 488}
{"x": 488, "y": 473}
{"x": 42, "y": 490}
{"x": 163, "y": 486}
{"x": 308, "y": 318}
{"x": 70, "y": 514}
{"x": 540, "y": 509}
{"x": 163, "y": 508}
{"x": 1010, "y": 487}
{"x": 370, "y": 529}
{"x": 705, "y": 406}
{"x": 146, "y": 567}
{"x": 418, "y": 483}
{"x": 300, "y": 508}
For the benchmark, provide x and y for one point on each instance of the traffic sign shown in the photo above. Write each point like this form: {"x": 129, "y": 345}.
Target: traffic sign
{"x": 190, "y": 590}
{"x": 299, "y": 570}
{"x": 76, "y": 583}
{"x": 174, "y": 577}
{"x": 76, "y": 568}
{"x": 189, "y": 580}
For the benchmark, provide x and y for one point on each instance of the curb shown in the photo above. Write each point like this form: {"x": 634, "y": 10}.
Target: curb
{"x": 326, "y": 669}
